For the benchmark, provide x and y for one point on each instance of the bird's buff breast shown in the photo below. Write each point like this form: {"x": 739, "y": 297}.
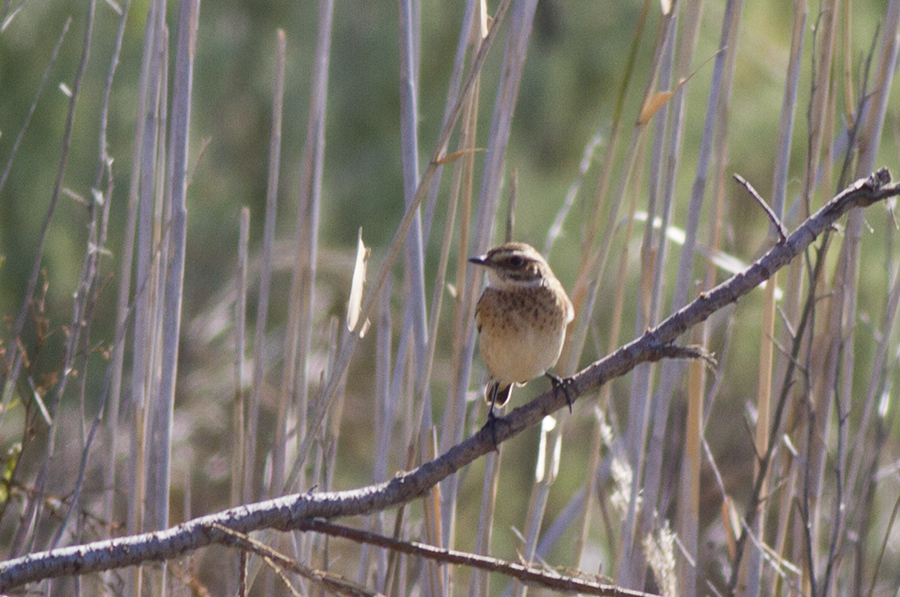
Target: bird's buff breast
{"x": 514, "y": 348}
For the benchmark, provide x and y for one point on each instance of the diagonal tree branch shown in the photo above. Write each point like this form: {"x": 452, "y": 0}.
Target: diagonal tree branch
{"x": 296, "y": 512}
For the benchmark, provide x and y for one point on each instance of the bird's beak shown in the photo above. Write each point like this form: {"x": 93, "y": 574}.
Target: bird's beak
{"x": 480, "y": 260}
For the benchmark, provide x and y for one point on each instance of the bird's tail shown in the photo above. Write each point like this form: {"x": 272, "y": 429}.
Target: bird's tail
{"x": 502, "y": 393}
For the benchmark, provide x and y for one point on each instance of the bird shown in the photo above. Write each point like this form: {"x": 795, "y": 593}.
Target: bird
{"x": 521, "y": 319}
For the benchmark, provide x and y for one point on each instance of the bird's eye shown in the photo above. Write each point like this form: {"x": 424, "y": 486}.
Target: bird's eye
{"x": 516, "y": 261}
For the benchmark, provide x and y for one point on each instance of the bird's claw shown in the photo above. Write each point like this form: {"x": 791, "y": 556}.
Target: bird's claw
{"x": 564, "y": 385}
{"x": 491, "y": 424}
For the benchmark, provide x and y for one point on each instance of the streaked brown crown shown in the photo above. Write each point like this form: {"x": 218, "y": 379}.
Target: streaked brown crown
{"x": 515, "y": 263}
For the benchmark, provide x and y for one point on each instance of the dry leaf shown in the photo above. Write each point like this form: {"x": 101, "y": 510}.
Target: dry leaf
{"x": 658, "y": 100}
{"x": 356, "y": 288}
{"x": 484, "y": 19}
{"x": 653, "y": 104}
{"x": 452, "y": 157}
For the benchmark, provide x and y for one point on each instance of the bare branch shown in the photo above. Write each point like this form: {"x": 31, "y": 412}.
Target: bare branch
{"x": 299, "y": 511}
{"x": 528, "y": 574}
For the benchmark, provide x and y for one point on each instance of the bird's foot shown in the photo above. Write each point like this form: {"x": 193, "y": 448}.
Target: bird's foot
{"x": 491, "y": 424}
{"x": 564, "y": 385}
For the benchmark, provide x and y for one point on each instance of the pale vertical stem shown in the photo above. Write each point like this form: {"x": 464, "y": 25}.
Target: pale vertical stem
{"x": 826, "y": 26}
{"x": 125, "y": 265}
{"x": 794, "y": 284}
{"x": 592, "y": 260}
{"x": 763, "y": 408}
{"x": 177, "y": 237}
{"x": 824, "y": 357}
{"x": 766, "y": 371}
{"x": 238, "y": 425}
{"x": 295, "y": 397}
{"x": 687, "y": 515}
{"x": 481, "y": 580}
{"x": 819, "y": 412}
{"x": 265, "y": 274}
{"x": 188, "y": 17}
{"x": 546, "y": 470}
{"x": 461, "y": 189}
{"x": 847, "y": 63}
{"x": 295, "y": 390}
{"x": 151, "y": 169}
{"x": 467, "y": 137}
{"x": 409, "y": 148}
{"x": 712, "y": 144}
{"x": 414, "y": 316}
{"x": 438, "y": 584}
{"x": 870, "y": 139}
{"x": 382, "y": 427}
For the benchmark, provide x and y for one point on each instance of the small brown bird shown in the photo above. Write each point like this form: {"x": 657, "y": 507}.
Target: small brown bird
{"x": 522, "y": 317}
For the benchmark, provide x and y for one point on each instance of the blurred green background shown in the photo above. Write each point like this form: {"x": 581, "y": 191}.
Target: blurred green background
{"x": 573, "y": 71}
{"x": 575, "y": 66}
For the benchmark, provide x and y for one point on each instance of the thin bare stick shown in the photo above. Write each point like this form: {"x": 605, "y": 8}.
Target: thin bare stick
{"x": 529, "y": 574}
{"x": 265, "y": 274}
{"x": 328, "y": 580}
{"x": 782, "y": 231}
{"x": 238, "y": 448}
{"x": 37, "y": 95}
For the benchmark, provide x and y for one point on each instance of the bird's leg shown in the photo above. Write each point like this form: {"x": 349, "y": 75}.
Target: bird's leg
{"x": 491, "y": 417}
{"x": 564, "y": 384}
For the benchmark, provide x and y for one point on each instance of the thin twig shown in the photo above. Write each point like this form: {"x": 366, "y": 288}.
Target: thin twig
{"x": 329, "y": 580}
{"x": 782, "y": 231}
{"x": 34, "y": 103}
{"x": 529, "y": 574}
